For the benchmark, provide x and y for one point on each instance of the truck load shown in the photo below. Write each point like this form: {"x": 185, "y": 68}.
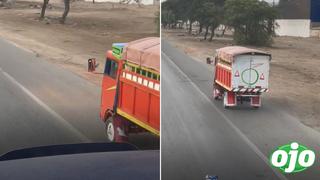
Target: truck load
{"x": 130, "y": 95}
{"x": 241, "y": 74}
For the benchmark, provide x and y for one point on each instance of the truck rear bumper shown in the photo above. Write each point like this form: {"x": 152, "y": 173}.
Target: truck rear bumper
{"x": 231, "y": 99}
{"x": 249, "y": 90}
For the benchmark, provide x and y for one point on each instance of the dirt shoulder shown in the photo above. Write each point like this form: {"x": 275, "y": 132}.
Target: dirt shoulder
{"x": 295, "y": 70}
{"x": 89, "y": 31}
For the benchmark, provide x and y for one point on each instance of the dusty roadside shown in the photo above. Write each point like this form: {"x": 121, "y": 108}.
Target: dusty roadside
{"x": 89, "y": 30}
{"x": 295, "y": 70}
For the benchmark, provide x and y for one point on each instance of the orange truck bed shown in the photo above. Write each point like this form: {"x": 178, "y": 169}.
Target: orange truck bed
{"x": 140, "y": 102}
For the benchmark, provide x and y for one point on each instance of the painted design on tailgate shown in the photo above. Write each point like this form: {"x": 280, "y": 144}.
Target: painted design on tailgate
{"x": 250, "y": 76}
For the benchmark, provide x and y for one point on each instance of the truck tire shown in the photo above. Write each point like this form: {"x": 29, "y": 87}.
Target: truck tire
{"x": 215, "y": 93}
{"x": 115, "y": 130}
{"x": 110, "y": 130}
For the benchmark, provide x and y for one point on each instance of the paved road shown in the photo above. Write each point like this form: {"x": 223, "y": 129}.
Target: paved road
{"x": 43, "y": 104}
{"x": 200, "y": 137}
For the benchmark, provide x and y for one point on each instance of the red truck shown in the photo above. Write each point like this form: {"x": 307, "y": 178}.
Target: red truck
{"x": 241, "y": 74}
{"x": 130, "y": 94}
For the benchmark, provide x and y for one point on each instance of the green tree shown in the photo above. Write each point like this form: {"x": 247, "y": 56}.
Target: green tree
{"x": 209, "y": 15}
{"x": 253, "y": 21}
{"x": 168, "y": 14}
{"x": 65, "y": 12}
{"x": 168, "y": 19}
{"x": 191, "y": 11}
{"x": 182, "y": 10}
{"x": 157, "y": 21}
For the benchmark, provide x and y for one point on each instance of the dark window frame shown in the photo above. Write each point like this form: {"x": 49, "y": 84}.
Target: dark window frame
{"x": 111, "y": 68}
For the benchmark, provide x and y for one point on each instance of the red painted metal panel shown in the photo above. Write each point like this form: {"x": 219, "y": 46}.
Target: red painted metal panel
{"x": 223, "y": 75}
{"x": 231, "y": 98}
{"x": 255, "y": 100}
{"x": 140, "y": 101}
{"x": 142, "y": 105}
{"x": 126, "y": 98}
{"x": 226, "y": 77}
{"x": 229, "y": 79}
{"x": 155, "y": 111}
{"x": 108, "y": 92}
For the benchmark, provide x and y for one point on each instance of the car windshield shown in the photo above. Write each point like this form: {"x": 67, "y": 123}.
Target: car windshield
{"x": 52, "y": 77}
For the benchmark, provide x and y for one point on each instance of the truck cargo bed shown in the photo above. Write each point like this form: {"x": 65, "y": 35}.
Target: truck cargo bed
{"x": 139, "y": 100}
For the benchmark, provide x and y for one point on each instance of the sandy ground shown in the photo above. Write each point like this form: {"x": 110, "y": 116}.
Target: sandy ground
{"x": 295, "y": 70}
{"x": 89, "y": 31}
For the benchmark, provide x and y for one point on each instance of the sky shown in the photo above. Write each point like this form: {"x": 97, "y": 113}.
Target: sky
{"x": 271, "y": 1}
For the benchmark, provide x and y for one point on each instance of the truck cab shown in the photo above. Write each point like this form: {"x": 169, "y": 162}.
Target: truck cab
{"x": 110, "y": 76}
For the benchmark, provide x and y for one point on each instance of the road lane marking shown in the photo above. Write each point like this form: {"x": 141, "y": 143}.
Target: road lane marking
{"x": 46, "y": 107}
{"x": 234, "y": 127}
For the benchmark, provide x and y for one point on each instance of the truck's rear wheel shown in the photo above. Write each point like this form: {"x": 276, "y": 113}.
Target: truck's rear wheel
{"x": 225, "y": 99}
{"x": 215, "y": 93}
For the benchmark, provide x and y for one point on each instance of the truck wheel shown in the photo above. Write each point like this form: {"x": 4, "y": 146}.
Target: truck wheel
{"x": 110, "y": 130}
{"x": 115, "y": 129}
{"x": 215, "y": 93}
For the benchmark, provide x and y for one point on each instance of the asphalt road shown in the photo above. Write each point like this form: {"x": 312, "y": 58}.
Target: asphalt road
{"x": 44, "y": 104}
{"x": 200, "y": 137}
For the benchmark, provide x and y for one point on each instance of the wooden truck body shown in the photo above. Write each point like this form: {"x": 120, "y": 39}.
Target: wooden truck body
{"x": 130, "y": 97}
{"x": 241, "y": 74}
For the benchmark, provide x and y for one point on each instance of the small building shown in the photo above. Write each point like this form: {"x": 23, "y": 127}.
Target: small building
{"x": 298, "y": 18}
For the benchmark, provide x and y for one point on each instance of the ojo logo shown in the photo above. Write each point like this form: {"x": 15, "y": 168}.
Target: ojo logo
{"x": 292, "y": 158}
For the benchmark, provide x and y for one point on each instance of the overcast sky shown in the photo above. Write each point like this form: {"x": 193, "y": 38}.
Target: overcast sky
{"x": 271, "y": 1}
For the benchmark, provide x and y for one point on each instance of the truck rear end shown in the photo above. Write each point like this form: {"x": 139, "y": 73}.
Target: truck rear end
{"x": 241, "y": 74}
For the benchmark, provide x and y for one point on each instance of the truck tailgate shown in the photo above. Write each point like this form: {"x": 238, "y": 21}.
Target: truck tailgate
{"x": 250, "y": 71}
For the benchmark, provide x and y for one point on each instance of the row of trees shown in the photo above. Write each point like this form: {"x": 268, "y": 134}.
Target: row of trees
{"x": 7, "y": 3}
{"x": 253, "y": 21}
{"x": 65, "y": 12}
{"x": 10, "y": 3}
{"x": 67, "y": 8}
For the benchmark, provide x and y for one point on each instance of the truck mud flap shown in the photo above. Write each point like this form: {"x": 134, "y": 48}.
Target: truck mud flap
{"x": 229, "y": 99}
{"x": 255, "y": 101}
